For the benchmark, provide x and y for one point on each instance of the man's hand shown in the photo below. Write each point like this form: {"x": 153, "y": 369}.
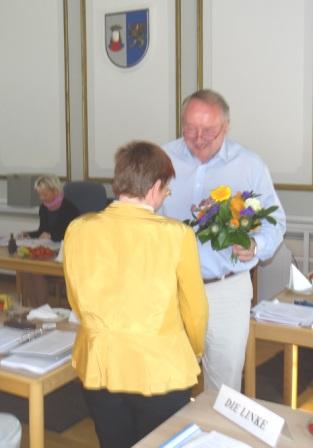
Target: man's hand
{"x": 243, "y": 254}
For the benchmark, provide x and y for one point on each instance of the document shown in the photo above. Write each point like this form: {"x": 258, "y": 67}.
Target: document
{"x": 283, "y": 313}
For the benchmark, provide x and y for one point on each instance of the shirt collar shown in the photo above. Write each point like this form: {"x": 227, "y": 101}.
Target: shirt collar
{"x": 146, "y": 206}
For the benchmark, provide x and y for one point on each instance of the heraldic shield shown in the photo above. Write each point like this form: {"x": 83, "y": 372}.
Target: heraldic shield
{"x": 127, "y": 37}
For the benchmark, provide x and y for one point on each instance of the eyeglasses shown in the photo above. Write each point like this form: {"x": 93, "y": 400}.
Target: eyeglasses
{"x": 207, "y": 134}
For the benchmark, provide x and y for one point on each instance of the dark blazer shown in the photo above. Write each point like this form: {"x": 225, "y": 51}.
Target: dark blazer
{"x": 56, "y": 225}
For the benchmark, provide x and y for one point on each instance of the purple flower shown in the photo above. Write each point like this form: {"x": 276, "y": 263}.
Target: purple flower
{"x": 247, "y": 212}
{"x": 246, "y": 194}
{"x": 209, "y": 214}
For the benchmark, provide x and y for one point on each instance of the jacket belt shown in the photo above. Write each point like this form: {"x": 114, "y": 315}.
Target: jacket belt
{"x": 216, "y": 279}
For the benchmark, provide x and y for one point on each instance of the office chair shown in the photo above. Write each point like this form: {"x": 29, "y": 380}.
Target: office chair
{"x": 87, "y": 196}
{"x": 10, "y": 431}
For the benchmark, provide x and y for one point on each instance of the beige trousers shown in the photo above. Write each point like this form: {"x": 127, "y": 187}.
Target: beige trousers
{"x": 228, "y": 328}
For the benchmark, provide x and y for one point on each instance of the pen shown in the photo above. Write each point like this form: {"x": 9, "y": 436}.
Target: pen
{"x": 303, "y": 302}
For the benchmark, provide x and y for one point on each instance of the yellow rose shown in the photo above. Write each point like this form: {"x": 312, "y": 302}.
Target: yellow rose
{"x": 221, "y": 193}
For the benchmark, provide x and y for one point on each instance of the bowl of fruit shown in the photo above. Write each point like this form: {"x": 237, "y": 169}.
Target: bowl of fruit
{"x": 41, "y": 252}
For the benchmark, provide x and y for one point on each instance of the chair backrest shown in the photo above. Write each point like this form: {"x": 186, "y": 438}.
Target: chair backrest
{"x": 87, "y": 196}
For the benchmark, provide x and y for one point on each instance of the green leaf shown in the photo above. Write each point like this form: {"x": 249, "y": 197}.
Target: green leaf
{"x": 271, "y": 220}
{"x": 241, "y": 238}
{"x": 224, "y": 212}
{"x": 223, "y": 239}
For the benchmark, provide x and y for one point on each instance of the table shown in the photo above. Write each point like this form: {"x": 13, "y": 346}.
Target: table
{"x": 34, "y": 388}
{"x": 201, "y": 412}
{"x": 33, "y": 265}
{"x": 291, "y": 338}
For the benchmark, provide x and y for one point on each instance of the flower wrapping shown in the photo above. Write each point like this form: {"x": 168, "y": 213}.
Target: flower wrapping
{"x": 226, "y": 219}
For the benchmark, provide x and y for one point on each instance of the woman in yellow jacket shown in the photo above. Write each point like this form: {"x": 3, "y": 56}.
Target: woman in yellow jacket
{"x": 133, "y": 279}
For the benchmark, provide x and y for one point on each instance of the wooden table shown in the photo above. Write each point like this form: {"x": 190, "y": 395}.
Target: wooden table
{"x": 201, "y": 412}
{"x": 291, "y": 338}
{"x": 33, "y": 265}
{"x": 34, "y": 388}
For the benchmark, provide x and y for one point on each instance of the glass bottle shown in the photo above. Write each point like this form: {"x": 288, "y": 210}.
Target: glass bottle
{"x": 12, "y": 246}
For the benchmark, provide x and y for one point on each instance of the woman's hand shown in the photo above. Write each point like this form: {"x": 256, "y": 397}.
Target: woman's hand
{"x": 45, "y": 236}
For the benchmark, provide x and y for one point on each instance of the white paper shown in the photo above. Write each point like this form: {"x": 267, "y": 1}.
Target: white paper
{"x": 215, "y": 439}
{"x": 298, "y": 281}
{"x": 249, "y": 415}
{"x": 59, "y": 257}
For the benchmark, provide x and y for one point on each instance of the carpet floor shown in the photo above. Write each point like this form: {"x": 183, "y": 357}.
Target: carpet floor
{"x": 63, "y": 408}
{"x": 269, "y": 376}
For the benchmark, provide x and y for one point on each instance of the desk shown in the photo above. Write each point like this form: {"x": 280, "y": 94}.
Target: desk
{"x": 291, "y": 337}
{"x": 201, "y": 412}
{"x": 34, "y": 388}
{"x": 33, "y": 265}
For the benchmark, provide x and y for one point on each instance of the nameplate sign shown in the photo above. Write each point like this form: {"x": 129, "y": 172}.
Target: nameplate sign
{"x": 251, "y": 416}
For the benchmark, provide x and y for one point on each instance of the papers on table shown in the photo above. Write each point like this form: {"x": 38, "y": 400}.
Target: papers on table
{"x": 298, "y": 282}
{"x": 193, "y": 437}
{"x": 283, "y": 313}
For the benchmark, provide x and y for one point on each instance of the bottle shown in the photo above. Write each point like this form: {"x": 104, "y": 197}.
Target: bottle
{"x": 12, "y": 246}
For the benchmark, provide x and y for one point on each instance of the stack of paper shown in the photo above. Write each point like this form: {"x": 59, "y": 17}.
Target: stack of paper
{"x": 283, "y": 313}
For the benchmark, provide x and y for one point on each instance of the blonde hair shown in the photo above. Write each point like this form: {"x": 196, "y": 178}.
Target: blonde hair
{"x": 50, "y": 181}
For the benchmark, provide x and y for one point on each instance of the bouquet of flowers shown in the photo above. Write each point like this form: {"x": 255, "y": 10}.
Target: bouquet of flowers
{"x": 225, "y": 220}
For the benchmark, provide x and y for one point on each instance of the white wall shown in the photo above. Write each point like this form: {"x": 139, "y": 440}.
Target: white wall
{"x": 296, "y": 203}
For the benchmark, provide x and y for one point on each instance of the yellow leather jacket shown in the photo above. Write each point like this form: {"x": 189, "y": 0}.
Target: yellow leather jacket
{"x": 133, "y": 279}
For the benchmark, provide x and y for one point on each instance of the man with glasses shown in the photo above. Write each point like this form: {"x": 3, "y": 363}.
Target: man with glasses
{"x": 205, "y": 158}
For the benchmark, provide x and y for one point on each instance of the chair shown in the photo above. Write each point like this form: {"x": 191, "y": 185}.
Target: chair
{"x": 87, "y": 196}
{"x": 10, "y": 431}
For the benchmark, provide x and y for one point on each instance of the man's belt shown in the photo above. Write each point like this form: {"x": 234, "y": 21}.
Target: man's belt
{"x": 217, "y": 279}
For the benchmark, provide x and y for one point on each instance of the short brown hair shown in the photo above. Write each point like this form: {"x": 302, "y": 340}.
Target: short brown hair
{"x": 138, "y": 165}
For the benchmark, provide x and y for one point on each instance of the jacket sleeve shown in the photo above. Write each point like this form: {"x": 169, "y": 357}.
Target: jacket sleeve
{"x": 43, "y": 223}
{"x": 192, "y": 299}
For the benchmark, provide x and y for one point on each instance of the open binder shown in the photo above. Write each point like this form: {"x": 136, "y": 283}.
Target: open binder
{"x": 37, "y": 351}
{"x": 12, "y": 337}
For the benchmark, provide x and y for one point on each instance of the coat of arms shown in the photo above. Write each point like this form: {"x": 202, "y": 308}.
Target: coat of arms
{"x": 127, "y": 37}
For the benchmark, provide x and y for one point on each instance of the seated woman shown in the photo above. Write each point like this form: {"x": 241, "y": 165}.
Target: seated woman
{"x": 133, "y": 278}
{"x": 55, "y": 214}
